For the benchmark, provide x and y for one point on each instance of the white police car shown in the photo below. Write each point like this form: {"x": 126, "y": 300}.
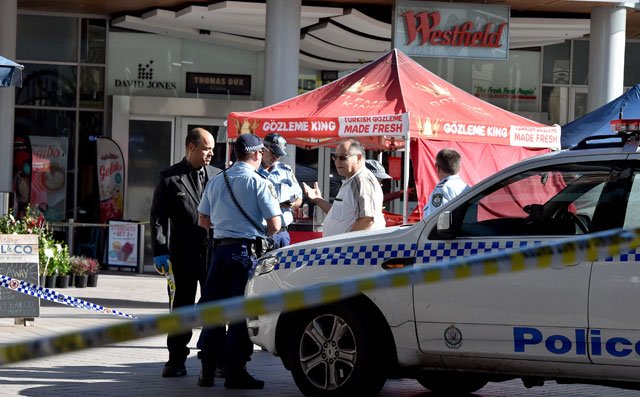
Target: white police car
{"x": 576, "y": 324}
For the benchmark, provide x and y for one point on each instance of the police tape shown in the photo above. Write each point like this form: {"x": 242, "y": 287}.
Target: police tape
{"x": 53, "y": 296}
{"x": 559, "y": 254}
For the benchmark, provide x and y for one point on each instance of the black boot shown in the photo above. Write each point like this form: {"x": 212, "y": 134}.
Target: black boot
{"x": 207, "y": 376}
{"x": 241, "y": 379}
{"x": 174, "y": 369}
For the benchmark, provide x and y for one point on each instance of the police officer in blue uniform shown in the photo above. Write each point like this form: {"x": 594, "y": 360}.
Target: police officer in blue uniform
{"x": 285, "y": 182}
{"x": 233, "y": 256}
{"x": 450, "y": 185}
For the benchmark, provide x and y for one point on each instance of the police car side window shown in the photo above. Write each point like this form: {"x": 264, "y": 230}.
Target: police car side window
{"x": 552, "y": 200}
{"x": 632, "y": 215}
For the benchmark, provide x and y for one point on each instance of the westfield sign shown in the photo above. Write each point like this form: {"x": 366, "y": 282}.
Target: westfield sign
{"x": 427, "y": 26}
{"x": 452, "y": 30}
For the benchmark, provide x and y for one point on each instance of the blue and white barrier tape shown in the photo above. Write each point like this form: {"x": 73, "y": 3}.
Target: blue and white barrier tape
{"x": 53, "y": 296}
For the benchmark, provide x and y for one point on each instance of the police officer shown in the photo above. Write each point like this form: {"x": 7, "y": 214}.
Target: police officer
{"x": 450, "y": 185}
{"x": 232, "y": 256}
{"x": 286, "y": 185}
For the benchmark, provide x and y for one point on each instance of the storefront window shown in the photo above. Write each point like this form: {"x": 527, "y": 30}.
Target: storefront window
{"x": 47, "y": 85}
{"x": 556, "y": 63}
{"x": 632, "y": 64}
{"x": 93, "y": 40}
{"x": 51, "y": 135}
{"x": 510, "y": 85}
{"x": 61, "y": 44}
{"x": 580, "y": 62}
{"x": 91, "y": 87}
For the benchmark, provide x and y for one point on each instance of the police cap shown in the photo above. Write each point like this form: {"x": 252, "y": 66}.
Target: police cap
{"x": 248, "y": 143}
{"x": 276, "y": 144}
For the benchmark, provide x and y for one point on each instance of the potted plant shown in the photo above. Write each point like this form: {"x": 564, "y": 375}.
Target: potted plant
{"x": 32, "y": 221}
{"x": 62, "y": 265}
{"x": 80, "y": 267}
{"x": 93, "y": 266}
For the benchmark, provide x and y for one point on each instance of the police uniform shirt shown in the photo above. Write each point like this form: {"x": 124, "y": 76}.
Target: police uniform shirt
{"x": 286, "y": 185}
{"x": 254, "y": 193}
{"x": 359, "y": 196}
{"x": 448, "y": 188}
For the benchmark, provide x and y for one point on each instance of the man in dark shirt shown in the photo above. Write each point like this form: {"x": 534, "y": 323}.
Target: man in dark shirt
{"x": 175, "y": 234}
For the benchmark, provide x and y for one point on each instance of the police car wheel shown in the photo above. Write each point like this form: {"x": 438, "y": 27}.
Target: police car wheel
{"x": 452, "y": 382}
{"x": 332, "y": 352}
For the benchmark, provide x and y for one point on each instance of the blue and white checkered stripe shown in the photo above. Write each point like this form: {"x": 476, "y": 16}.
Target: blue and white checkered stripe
{"x": 374, "y": 255}
{"x": 53, "y": 296}
{"x": 371, "y": 255}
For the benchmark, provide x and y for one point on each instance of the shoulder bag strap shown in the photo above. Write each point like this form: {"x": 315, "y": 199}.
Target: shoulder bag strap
{"x": 233, "y": 198}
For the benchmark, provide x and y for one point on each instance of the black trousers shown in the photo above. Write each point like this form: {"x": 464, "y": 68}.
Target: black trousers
{"x": 187, "y": 276}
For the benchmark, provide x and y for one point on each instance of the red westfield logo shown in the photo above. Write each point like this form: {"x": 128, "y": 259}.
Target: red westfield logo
{"x": 426, "y": 24}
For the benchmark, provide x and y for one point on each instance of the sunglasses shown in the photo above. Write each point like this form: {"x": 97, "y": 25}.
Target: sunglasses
{"x": 342, "y": 157}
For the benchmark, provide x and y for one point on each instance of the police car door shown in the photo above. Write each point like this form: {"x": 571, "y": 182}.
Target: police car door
{"x": 614, "y": 331}
{"x": 526, "y": 315}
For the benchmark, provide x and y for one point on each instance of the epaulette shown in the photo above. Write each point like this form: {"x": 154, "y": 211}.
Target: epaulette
{"x": 285, "y": 166}
{"x": 261, "y": 176}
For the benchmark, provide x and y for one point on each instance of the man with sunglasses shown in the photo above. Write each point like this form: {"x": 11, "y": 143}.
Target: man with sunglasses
{"x": 284, "y": 182}
{"x": 358, "y": 204}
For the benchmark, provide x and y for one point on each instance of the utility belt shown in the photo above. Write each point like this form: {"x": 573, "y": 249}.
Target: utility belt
{"x": 233, "y": 241}
{"x": 258, "y": 247}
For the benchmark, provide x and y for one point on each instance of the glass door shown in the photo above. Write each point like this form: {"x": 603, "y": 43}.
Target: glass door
{"x": 577, "y": 102}
{"x": 150, "y": 151}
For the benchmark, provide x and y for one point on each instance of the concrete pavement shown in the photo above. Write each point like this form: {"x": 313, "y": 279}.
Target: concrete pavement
{"x": 133, "y": 368}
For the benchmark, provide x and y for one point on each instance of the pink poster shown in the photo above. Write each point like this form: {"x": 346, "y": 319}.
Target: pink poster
{"x": 49, "y": 176}
{"x": 110, "y": 167}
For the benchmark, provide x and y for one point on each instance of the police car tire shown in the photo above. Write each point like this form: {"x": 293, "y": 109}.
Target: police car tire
{"x": 452, "y": 382}
{"x": 360, "y": 371}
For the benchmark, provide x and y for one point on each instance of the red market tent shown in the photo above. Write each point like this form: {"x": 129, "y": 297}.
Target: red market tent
{"x": 392, "y": 100}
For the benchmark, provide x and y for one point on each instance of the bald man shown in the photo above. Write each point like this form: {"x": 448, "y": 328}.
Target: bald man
{"x": 176, "y": 236}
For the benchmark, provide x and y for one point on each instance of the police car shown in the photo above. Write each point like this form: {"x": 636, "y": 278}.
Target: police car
{"x": 575, "y": 324}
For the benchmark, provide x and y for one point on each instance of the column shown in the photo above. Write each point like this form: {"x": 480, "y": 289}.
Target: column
{"x": 606, "y": 55}
{"x": 8, "y": 26}
{"x": 281, "y": 64}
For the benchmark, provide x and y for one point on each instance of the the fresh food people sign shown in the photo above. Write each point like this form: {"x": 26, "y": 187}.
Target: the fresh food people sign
{"x": 452, "y": 30}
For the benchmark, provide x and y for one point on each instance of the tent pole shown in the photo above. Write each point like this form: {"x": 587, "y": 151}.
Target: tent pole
{"x": 405, "y": 191}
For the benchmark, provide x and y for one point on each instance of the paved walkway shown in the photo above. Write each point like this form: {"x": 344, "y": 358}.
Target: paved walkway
{"x": 133, "y": 368}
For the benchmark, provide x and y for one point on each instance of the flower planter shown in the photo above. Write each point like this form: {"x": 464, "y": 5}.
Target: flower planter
{"x": 43, "y": 279}
{"x": 50, "y": 281}
{"x": 81, "y": 280}
{"x": 63, "y": 281}
{"x": 92, "y": 281}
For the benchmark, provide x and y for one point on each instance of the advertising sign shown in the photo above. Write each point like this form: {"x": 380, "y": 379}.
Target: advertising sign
{"x": 19, "y": 260}
{"x": 452, "y": 30}
{"x": 122, "y": 248}
{"x": 21, "y": 174}
{"x": 110, "y": 168}
{"x": 49, "y": 176}
{"x": 218, "y": 83}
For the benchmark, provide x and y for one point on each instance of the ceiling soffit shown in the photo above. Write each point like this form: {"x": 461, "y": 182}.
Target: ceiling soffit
{"x": 331, "y": 37}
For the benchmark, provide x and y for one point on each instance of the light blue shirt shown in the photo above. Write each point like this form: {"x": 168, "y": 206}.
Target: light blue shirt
{"x": 286, "y": 185}
{"x": 448, "y": 188}
{"x": 254, "y": 193}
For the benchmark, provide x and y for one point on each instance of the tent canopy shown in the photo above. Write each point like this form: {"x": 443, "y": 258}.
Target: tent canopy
{"x": 10, "y": 73}
{"x": 392, "y": 97}
{"x": 597, "y": 122}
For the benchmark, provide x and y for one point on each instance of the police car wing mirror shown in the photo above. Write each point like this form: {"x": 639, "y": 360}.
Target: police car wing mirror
{"x": 444, "y": 222}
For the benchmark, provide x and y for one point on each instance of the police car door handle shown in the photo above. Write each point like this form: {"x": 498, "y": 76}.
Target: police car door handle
{"x": 398, "y": 263}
